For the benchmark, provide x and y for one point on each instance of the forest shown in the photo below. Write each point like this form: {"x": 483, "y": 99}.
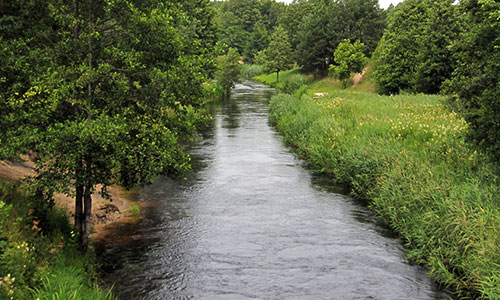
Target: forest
{"x": 99, "y": 93}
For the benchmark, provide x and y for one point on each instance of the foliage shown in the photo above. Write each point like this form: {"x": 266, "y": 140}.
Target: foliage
{"x": 349, "y": 58}
{"x": 395, "y": 54}
{"x": 414, "y": 53}
{"x": 330, "y": 22}
{"x": 408, "y": 157}
{"x": 245, "y": 24}
{"x": 475, "y": 84}
{"x": 270, "y": 79}
{"x": 101, "y": 92}
{"x": 229, "y": 71}
{"x": 41, "y": 261}
{"x": 294, "y": 83}
{"x": 250, "y": 71}
{"x": 276, "y": 56}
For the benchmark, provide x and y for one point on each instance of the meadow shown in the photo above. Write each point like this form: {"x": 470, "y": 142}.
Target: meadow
{"x": 408, "y": 158}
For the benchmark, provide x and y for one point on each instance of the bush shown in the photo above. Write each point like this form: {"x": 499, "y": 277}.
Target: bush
{"x": 294, "y": 83}
{"x": 40, "y": 259}
{"x": 250, "y": 71}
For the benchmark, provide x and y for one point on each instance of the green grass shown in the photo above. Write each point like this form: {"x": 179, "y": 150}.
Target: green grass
{"x": 407, "y": 156}
{"x": 270, "y": 79}
{"x": 39, "y": 257}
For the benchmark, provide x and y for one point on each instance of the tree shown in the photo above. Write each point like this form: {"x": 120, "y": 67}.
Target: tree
{"x": 435, "y": 61}
{"x": 329, "y": 23}
{"x": 349, "y": 58}
{"x": 228, "y": 72}
{"x": 102, "y": 93}
{"x": 475, "y": 85}
{"x": 395, "y": 56}
{"x": 259, "y": 40}
{"x": 414, "y": 54}
{"x": 276, "y": 56}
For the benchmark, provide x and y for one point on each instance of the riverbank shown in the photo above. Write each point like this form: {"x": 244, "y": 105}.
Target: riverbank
{"x": 407, "y": 156}
{"x": 104, "y": 212}
{"x": 39, "y": 253}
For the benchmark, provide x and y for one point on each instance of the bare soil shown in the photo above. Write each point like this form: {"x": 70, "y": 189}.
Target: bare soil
{"x": 104, "y": 212}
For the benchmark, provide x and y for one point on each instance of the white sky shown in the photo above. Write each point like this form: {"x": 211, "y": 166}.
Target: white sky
{"x": 383, "y": 3}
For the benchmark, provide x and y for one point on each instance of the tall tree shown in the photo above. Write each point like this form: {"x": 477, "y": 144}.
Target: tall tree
{"x": 228, "y": 71}
{"x": 475, "y": 85}
{"x": 395, "y": 56}
{"x": 107, "y": 89}
{"x": 276, "y": 57}
{"x": 414, "y": 54}
{"x": 349, "y": 58}
{"x": 329, "y": 23}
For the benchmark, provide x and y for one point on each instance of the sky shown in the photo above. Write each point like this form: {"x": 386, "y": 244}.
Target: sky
{"x": 383, "y": 3}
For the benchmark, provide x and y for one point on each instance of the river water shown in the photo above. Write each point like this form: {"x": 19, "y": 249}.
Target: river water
{"x": 251, "y": 222}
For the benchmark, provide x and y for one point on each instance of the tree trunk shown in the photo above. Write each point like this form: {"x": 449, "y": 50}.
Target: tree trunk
{"x": 87, "y": 209}
{"x": 79, "y": 208}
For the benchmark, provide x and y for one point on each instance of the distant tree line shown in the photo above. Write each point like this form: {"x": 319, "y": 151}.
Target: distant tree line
{"x": 419, "y": 46}
{"x": 313, "y": 28}
{"x": 449, "y": 48}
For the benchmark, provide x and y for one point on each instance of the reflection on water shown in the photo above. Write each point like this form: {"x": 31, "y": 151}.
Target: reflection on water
{"x": 252, "y": 223}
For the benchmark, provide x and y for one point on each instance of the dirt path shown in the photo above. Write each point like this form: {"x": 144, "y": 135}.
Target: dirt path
{"x": 104, "y": 212}
{"x": 358, "y": 77}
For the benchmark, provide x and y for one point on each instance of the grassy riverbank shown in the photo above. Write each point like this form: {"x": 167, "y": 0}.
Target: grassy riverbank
{"x": 39, "y": 257}
{"x": 406, "y": 156}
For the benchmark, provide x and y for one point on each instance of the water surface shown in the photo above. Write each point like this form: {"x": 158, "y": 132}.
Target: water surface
{"x": 252, "y": 223}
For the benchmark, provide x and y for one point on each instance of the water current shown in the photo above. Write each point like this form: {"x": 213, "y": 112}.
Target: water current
{"x": 251, "y": 222}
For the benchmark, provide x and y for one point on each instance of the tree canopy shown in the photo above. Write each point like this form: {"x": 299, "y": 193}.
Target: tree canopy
{"x": 276, "y": 56}
{"x": 349, "y": 58}
{"x": 100, "y": 92}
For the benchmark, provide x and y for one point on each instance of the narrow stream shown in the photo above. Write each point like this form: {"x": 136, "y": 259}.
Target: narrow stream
{"x": 252, "y": 223}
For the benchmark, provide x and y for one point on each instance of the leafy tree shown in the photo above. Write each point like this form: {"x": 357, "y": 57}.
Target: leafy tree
{"x": 244, "y": 24}
{"x": 102, "y": 93}
{"x": 395, "y": 56}
{"x": 229, "y": 70}
{"x": 435, "y": 61}
{"x": 329, "y": 23}
{"x": 475, "y": 84}
{"x": 291, "y": 19}
{"x": 314, "y": 51}
{"x": 276, "y": 56}
{"x": 349, "y": 58}
{"x": 258, "y": 41}
{"x": 414, "y": 54}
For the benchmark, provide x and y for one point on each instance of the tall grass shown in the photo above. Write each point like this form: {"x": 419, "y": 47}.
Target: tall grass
{"x": 39, "y": 257}
{"x": 270, "y": 79}
{"x": 249, "y": 71}
{"x": 406, "y": 155}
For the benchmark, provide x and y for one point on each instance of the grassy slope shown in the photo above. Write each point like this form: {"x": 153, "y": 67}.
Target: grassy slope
{"x": 408, "y": 157}
{"x": 38, "y": 253}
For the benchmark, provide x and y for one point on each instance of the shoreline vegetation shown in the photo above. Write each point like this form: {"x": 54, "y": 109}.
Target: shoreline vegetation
{"x": 408, "y": 158}
{"x": 40, "y": 252}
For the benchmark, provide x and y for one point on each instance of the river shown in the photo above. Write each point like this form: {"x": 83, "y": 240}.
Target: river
{"x": 251, "y": 222}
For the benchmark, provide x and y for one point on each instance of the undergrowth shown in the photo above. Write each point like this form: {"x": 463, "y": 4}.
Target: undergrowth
{"x": 39, "y": 256}
{"x": 407, "y": 156}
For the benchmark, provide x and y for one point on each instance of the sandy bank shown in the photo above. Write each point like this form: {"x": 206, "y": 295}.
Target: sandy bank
{"x": 104, "y": 212}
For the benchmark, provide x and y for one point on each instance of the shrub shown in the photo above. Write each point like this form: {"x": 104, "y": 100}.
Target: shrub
{"x": 249, "y": 71}
{"x": 294, "y": 83}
